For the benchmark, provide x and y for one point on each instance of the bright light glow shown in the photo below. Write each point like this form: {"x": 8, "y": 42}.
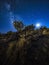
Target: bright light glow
{"x": 38, "y": 25}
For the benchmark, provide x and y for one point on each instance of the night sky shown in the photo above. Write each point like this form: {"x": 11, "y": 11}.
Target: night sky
{"x": 28, "y": 11}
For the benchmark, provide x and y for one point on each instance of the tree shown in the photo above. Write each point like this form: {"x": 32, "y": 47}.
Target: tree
{"x": 30, "y": 27}
{"x": 10, "y": 32}
{"x": 43, "y": 29}
{"x": 18, "y": 25}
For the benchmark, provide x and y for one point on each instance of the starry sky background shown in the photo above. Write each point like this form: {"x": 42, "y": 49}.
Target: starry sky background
{"x": 28, "y": 11}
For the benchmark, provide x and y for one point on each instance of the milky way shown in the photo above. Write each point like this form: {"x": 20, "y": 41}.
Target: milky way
{"x": 29, "y": 11}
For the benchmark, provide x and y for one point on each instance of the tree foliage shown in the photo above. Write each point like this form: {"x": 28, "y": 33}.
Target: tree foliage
{"x": 30, "y": 27}
{"x": 43, "y": 27}
{"x": 18, "y": 25}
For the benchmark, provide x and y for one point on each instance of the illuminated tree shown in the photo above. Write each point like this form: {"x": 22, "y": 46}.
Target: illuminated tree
{"x": 43, "y": 27}
{"x": 30, "y": 27}
{"x": 18, "y": 25}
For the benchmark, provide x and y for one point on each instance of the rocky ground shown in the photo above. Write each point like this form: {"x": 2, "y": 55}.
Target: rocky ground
{"x": 24, "y": 50}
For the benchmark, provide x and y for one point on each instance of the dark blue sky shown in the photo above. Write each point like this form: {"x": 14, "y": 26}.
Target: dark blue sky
{"x": 29, "y": 11}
